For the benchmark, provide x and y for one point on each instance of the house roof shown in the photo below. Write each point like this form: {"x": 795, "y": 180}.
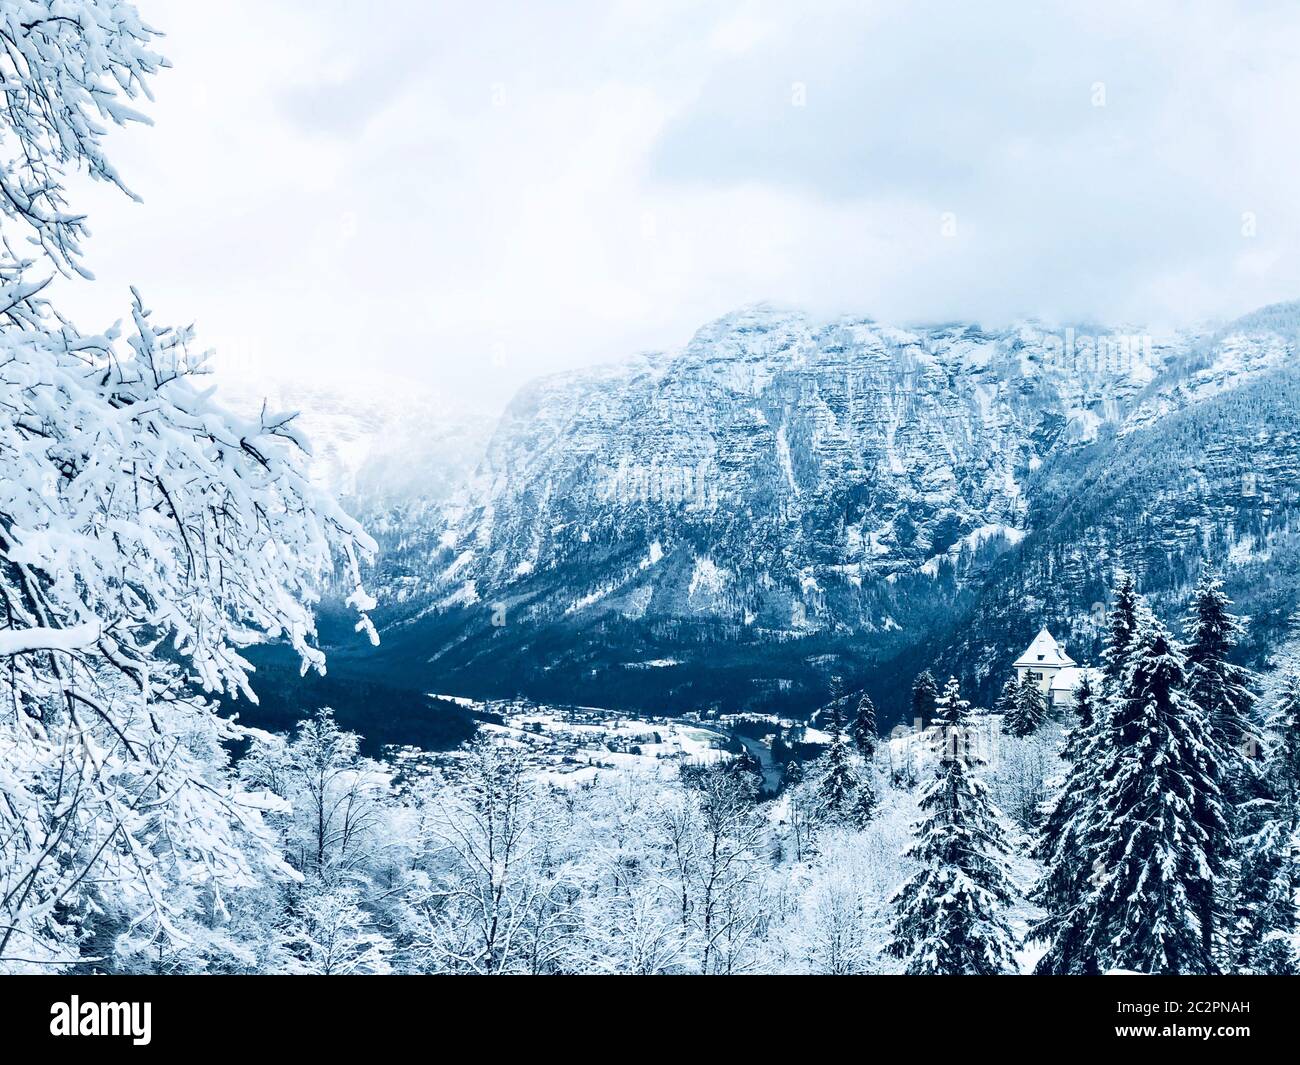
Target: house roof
{"x": 1066, "y": 680}
{"x": 1044, "y": 651}
{"x": 1069, "y": 678}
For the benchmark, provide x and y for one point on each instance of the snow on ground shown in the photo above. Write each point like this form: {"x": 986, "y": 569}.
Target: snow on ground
{"x": 570, "y": 746}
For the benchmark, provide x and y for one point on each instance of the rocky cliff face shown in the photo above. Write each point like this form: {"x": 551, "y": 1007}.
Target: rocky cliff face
{"x": 783, "y": 500}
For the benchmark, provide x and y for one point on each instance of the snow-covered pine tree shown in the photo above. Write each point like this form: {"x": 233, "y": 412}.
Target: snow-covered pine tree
{"x": 745, "y": 763}
{"x": 1029, "y": 710}
{"x": 1159, "y": 818}
{"x": 950, "y": 709}
{"x": 1006, "y": 701}
{"x": 1070, "y": 838}
{"x": 1265, "y": 936}
{"x": 1085, "y": 714}
{"x": 837, "y": 785}
{"x": 1220, "y": 687}
{"x": 1120, "y": 627}
{"x": 950, "y": 916}
{"x": 865, "y": 736}
{"x": 865, "y": 802}
{"x": 925, "y": 691}
{"x": 1061, "y": 846}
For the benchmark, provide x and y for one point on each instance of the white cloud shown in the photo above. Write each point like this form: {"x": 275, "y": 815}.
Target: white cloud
{"x": 471, "y": 194}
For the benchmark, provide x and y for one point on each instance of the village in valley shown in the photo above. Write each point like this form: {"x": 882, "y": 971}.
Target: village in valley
{"x": 570, "y": 746}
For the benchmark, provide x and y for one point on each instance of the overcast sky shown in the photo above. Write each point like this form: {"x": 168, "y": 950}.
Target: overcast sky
{"x": 468, "y": 194}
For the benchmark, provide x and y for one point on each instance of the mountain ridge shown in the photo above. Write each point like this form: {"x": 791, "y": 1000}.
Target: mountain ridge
{"x": 781, "y": 501}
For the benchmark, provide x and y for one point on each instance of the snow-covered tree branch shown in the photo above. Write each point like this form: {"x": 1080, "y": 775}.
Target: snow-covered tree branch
{"x": 147, "y": 536}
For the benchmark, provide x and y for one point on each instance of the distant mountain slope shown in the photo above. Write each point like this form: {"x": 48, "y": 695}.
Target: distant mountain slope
{"x": 783, "y": 501}
{"x": 377, "y": 446}
{"x": 1218, "y": 480}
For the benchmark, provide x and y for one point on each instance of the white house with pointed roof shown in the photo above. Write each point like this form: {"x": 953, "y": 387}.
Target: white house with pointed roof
{"x": 1056, "y": 672}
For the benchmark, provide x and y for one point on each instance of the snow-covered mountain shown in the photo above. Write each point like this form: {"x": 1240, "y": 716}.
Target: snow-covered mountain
{"x": 377, "y": 446}
{"x": 783, "y": 500}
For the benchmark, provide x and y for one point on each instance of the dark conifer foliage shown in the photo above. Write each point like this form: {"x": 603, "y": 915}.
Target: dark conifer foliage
{"x": 1065, "y": 841}
{"x": 1120, "y": 627}
{"x": 838, "y": 785}
{"x": 1218, "y": 686}
{"x": 1158, "y": 818}
{"x": 1264, "y": 940}
{"x": 950, "y": 709}
{"x": 1029, "y": 710}
{"x": 951, "y": 915}
{"x": 865, "y": 736}
{"x": 1006, "y": 700}
{"x": 925, "y": 693}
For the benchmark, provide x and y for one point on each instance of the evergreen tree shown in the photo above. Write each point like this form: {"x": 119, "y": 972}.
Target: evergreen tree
{"x": 1061, "y": 845}
{"x": 950, "y": 916}
{"x": 950, "y": 709}
{"x": 1121, "y": 625}
{"x": 864, "y": 728}
{"x": 1029, "y": 711}
{"x": 1085, "y": 713}
{"x": 837, "y": 787}
{"x": 1159, "y": 818}
{"x": 1006, "y": 701}
{"x": 864, "y": 802}
{"x": 1221, "y": 690}
{"x": 1070, "y": 841}
{"x": 1270, "y": 866}
{"x": 746, "y": 763}
{"x": 1219, "y": 687}
{"x": 925, "y": 693}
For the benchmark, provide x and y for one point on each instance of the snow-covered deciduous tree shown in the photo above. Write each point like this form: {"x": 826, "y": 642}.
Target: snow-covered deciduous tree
{"x": 331, "y": 935}
{"x": 831, "y": 935}
{"x": 338, "y": 800}
{"x": 147, "y": 536}
{"x": 712, "y": 833}
{"x": 493, "y": 901}
{"x": 626, "y": 919}
{"x": 801, "y": 811}
{"x": 1018, "y": 780}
